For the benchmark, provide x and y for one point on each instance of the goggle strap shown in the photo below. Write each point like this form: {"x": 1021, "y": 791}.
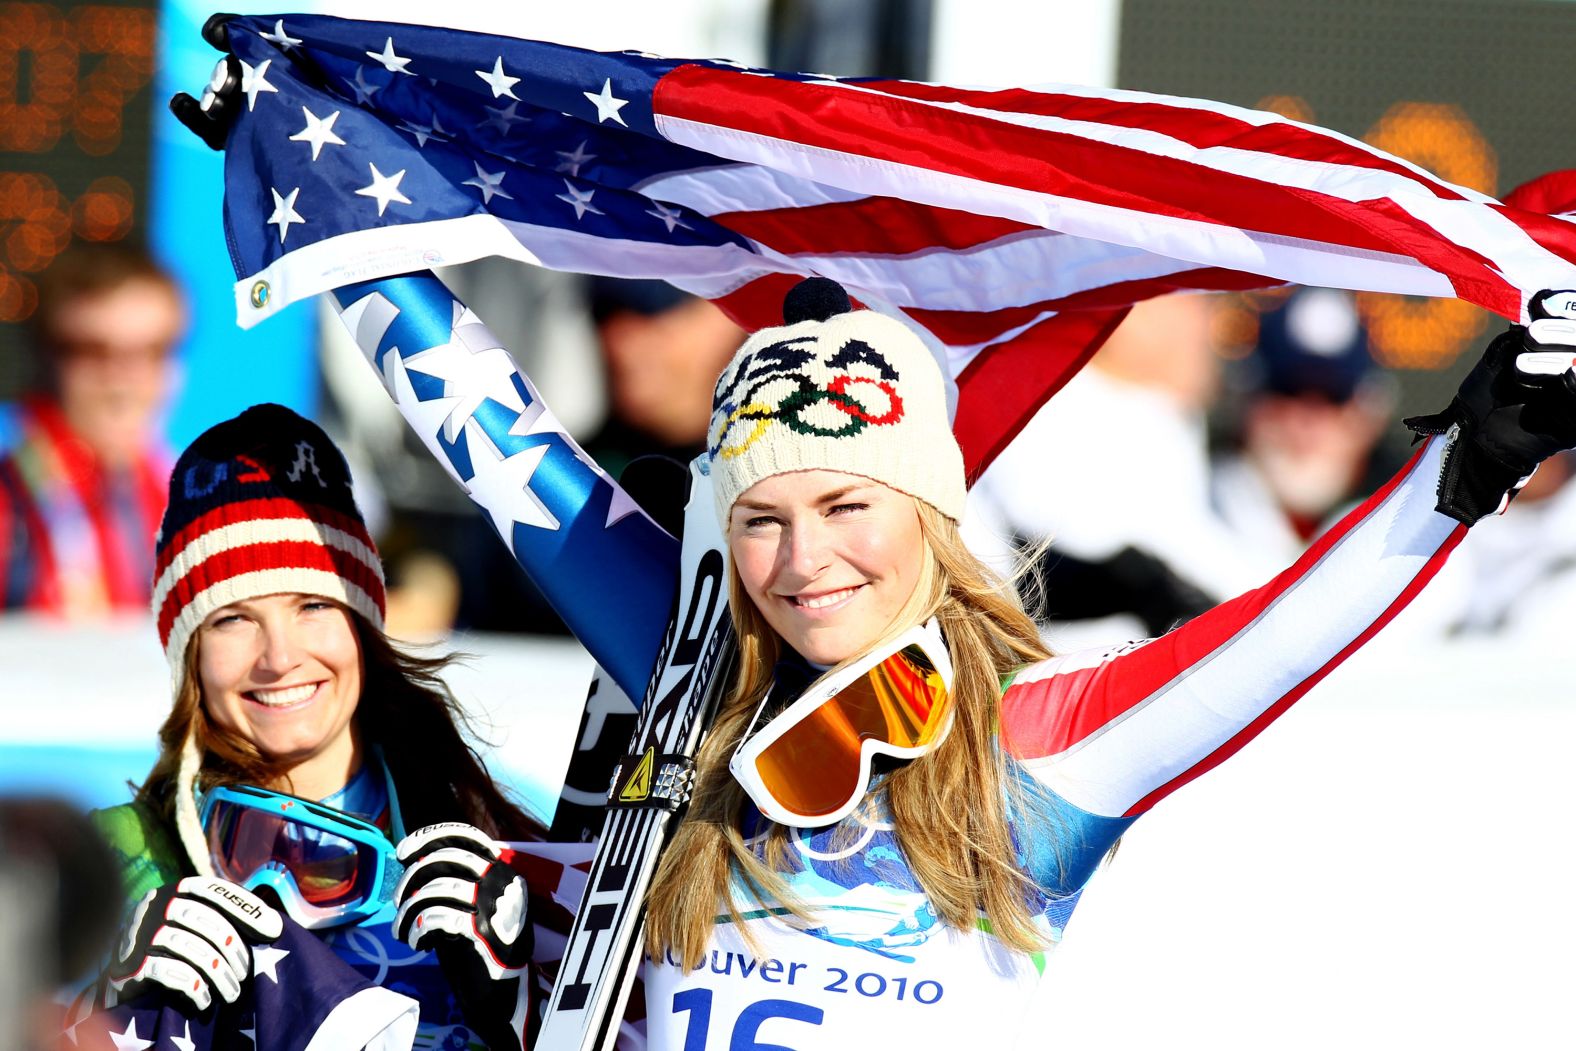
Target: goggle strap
{"x": 652, "y": 780}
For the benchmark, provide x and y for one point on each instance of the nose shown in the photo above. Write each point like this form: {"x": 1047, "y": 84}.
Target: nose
{"x": 281, "y": 651}
{"x": 805, "y": 549}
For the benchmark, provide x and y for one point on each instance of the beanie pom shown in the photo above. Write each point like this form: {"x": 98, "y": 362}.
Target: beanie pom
{"x": 815, "y": 299}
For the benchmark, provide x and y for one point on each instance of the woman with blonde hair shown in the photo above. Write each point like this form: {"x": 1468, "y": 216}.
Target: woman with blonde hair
{"x": 903, "y": 794}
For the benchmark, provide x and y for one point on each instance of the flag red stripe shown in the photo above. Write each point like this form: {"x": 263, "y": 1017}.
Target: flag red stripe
{"x": 910, "y": 133}
{"x": 874, "y": 225}
{"x": 1201, "y": 128}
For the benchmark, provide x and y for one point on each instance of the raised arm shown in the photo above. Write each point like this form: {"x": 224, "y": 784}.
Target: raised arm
{"x": 1112, "y": 732}
{"x": 608, "y": 570}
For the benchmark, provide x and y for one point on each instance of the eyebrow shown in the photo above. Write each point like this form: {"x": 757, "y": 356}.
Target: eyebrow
{"x": 825, "y": 498}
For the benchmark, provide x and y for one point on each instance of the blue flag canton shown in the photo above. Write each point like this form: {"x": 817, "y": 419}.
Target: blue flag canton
{"x": 349, "y": 126}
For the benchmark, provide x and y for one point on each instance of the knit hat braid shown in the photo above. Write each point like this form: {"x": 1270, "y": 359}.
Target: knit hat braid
{"x": 834, "y": 389}
{"x": 259, "y": 505}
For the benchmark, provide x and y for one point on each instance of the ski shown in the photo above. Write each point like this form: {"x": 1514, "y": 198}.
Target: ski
{"x": 650, "y": 785}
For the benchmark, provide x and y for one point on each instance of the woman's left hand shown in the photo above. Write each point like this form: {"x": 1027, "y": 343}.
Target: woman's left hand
{"x": 460, "y": 898}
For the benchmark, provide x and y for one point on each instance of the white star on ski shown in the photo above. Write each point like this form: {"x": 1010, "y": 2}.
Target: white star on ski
{"x": 284, "y": 212}
{"x": 391, "y": 62}
{"x": 284, "y": 41}
{"x": 185, "y": 1043}
{"x": 254, "y": 81}
{"x": 363, "y": 90}
{"x": 501, "y": 83}
{"x": 607, "y": 106}
{"x": 265, "y": 960}
{"x": 501, "y": 482}
{"x": 489, "y": 183}
{"x": 670, "y": 217}
{"x": 318, "y": 131}
{"x": 473, "y": 368}
{"x": 426, "y": 417}
{"x": 504, "y": 118}
{"x": 579, "y": 200}
{"x": 384, "y": 188}
{"x": 129, "y": 1040}
{"x": 573, "y": 160}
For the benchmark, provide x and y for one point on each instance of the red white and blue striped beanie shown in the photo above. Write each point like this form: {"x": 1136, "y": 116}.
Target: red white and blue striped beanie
{"x": 259, "y": 505}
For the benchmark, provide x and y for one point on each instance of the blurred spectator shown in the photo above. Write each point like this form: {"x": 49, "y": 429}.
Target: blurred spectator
{"x": 1308, "y": 424}
{"x": 1523, "y": 565}
{"x": 1113, "y": 473}
{"x": 60, "y": 901}
{"x": 82, "y": 490}
{"x": 663, "y": 350}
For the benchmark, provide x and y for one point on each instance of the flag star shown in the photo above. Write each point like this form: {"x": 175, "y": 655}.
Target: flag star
{"x": 422, "y": 132}
{"x": 473, "y": 367}
{"x": 284, "y": 212}
{"x": 318, "y": 131}
{"x": 359, "y": 85}
{"x": 425, "y": 417}
{"x": 670, "y": 217}
{"x": 504, "y": 118}
{"x": 607, "y": 105}
{"x": 579, "y": 200}
{"x": 502, "y": 486}
{"x": 391, "y": 62}
{"x": 500, "y": 82}
{"x": 185, "y": 1043}
{"x": 265, "y": 960}
{"x": 572, "y": 161}
{"x": 384, "y": 188}
{"x": 254, "y": 80}
{"x": 129, "y": 1040}
{"x": 279, "y": 37}
{"x": 489, "y": 183}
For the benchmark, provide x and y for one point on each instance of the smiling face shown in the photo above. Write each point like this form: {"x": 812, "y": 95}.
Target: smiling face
{"x": 285, "y": 672}
{"x": 828, "y": 558}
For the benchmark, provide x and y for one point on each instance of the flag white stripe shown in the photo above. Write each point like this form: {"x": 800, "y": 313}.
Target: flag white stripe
{"x": 1208, "y": 244}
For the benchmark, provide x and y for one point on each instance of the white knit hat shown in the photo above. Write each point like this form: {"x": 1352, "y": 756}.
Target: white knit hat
{"x": 834, "y": 389}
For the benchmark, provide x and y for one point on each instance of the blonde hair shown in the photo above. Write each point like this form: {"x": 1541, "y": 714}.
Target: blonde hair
{"x": 948, "y": 808}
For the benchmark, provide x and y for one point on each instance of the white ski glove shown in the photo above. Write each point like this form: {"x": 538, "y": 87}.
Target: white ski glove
{"x": 193, "y": 938}
{"x": 460, "y": 898}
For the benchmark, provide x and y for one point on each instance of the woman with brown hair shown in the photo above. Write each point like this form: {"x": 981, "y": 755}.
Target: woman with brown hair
{"x": 302, "y": 744}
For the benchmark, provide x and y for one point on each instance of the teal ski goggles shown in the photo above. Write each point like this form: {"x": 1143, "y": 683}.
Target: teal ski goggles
{"x": 329, "y": 869}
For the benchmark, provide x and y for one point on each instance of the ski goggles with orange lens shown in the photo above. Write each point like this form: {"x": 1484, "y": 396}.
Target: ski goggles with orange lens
{"x": 329, "y": 869}
{"x": 810, "y": 764}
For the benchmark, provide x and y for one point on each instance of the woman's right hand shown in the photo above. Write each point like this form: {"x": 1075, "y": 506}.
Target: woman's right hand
{"x": 191, "y": 937}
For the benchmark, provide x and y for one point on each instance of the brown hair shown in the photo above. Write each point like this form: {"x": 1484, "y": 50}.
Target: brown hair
{"x": 405, "y": 708}
{"x": 948, "y": 807}
{"x": 91, "y": 269}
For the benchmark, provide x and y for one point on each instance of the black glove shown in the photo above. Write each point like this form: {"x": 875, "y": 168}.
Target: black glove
{"x": 1516, "y": 408}
{"x": 460, "y": 898}
{"x": 193, "y": 938}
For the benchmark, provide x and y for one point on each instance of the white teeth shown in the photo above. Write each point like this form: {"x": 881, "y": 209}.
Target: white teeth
{"x": 286, "y": 695}
{"x": 822, "y": 601}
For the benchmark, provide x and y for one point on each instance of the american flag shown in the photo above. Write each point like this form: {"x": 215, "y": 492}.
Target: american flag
{"x": 1012, "y": 226}
{"x": 301, "y": 995}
